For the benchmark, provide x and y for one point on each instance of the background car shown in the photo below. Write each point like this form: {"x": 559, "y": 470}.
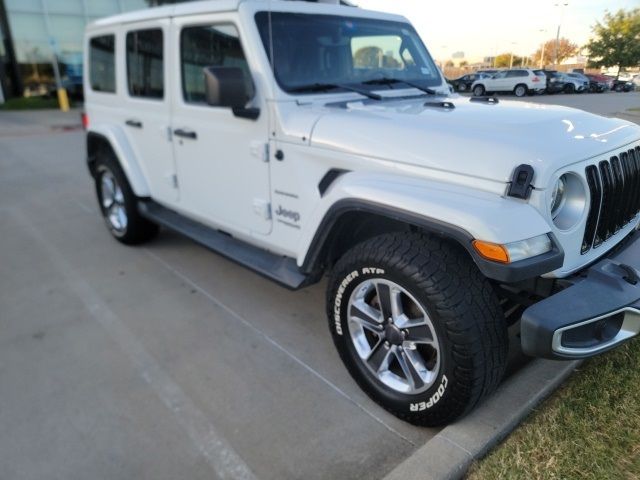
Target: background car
{"x": 463, "y": 83}
{"x": 491, "y": 71}
{"x": 576, "y": 82}
{"x": 599, "y": 83}
{"x": 554, "y": 81}
{"x": 520, "y": 81}
{"x": 623, "y": 86}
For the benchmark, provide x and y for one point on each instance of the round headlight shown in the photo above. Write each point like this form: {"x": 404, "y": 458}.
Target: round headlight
{"x": 568, "y": 201}
{"x": 557, "y": 197}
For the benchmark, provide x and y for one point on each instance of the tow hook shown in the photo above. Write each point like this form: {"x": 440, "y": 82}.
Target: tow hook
{"x": 632, "y": 275}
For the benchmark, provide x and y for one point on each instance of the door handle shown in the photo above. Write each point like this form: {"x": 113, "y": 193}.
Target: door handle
{"x": 185, "y": 134}
{"x": 134, "y": 123}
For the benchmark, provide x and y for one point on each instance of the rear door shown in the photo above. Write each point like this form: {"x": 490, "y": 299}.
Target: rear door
{"x": 515, "y": 77}
{"x": 146, "y": 112}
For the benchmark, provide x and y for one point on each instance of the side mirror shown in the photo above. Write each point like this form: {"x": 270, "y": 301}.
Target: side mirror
{"x": 225, "y": 87}
{"x": 228, "y": 87}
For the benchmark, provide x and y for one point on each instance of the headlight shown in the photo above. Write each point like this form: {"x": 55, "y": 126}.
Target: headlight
{"x": 568, "y": 201}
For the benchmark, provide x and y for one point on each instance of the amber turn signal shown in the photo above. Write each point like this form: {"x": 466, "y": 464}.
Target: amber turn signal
{"x": 492, "y": 251}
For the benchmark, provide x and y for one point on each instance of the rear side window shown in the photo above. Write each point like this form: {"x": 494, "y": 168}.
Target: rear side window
{"x": 209, "y": 46}
{"x": 517, "y": 73}
{"x": 145, "y": 63}
{"x": 102, "y": 64}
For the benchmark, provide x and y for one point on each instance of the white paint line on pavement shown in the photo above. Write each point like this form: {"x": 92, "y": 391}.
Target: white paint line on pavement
{"x": 292, "y": 356}
{"x": 226, "y": 463}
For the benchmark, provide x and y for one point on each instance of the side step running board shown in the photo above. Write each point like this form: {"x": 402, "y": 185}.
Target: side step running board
{"x": 282, "y": 270}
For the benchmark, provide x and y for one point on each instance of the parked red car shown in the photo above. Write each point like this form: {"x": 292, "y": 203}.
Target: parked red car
{"x": 600, "y": 83}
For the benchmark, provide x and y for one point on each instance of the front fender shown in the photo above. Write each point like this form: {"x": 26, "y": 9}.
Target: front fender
{"x": 125, "y": 154}
{"x": 460, "y": 213}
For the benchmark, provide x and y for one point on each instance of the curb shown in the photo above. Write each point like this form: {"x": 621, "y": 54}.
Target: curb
{"x": 450, "y": 453}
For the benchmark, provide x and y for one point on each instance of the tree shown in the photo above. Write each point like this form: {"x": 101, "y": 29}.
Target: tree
{"x": 449, "y": 64}
{"x": 566, "y": 49}
{"x": 504, "y": 60}
{"x": 464, "y": 63}
{"x": 616, "y": 41}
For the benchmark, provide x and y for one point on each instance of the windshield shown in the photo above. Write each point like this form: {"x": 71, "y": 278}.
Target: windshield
{"x": 322, "y": 49}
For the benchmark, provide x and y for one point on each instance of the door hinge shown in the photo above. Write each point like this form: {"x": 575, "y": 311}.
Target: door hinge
{"x": 260, "y": 150}
{"x": 174, "y": 181}
{"x": 262, "y": 208}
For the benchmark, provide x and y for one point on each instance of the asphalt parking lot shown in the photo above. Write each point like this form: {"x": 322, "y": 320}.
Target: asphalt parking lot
{"x": 165, "y": 361}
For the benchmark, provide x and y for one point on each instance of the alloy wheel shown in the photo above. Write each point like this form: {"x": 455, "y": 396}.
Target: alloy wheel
{"x": 112, "y": 200}
{"x": 394, "y": 336}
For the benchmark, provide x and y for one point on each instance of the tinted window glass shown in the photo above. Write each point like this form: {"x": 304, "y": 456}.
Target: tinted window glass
{"x": 310, "y": 49}
{"x": 102, "y": 68}
{"x": 516, "y": 73}
{"x": 209, "y": 46}
{"x": 145, "y": 64}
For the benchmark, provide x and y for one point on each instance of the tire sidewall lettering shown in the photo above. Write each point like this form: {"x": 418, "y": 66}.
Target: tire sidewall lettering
{"x": 342, "y": 288}
{"x": 435, "y": 398}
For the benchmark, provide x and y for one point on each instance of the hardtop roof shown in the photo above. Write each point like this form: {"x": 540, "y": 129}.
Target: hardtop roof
{"x": 216, "y": 6}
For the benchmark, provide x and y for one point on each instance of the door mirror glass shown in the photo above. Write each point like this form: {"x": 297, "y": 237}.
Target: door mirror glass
{"x": 226, "y": 87}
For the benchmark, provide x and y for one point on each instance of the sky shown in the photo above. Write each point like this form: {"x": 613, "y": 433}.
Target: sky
{"x": 484, "y": 28}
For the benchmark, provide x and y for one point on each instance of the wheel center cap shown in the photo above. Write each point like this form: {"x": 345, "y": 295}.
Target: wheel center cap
{"x": 393, "y": 335}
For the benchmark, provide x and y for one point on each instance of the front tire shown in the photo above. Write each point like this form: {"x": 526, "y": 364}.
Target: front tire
{"x": 417, "y": 326}
{"x": 479, "y": 91}
{"x": 570, "y": 88}
{"x": 118, "y": 203}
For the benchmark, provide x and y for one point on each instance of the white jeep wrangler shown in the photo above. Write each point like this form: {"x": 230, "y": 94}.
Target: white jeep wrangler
{"x": 308, "y": 138}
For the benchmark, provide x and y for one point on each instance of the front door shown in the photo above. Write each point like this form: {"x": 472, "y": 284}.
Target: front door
{"x": 223, "y": 169}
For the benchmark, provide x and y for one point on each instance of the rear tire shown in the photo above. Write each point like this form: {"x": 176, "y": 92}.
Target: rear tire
{"x": 570, "y": 88}
{"x": 443, "y": 318}
{"x": 520, "y": 90}
{"x": 118, "y": 203}
{"x": 479, "y": 91}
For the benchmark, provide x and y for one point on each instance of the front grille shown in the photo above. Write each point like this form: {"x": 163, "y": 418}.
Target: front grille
{"x": 615, "y": 197}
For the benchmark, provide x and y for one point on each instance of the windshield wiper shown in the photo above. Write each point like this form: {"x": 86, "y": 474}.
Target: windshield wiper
{"x": 324, "y": 87}
{"x": 393, "y": 81}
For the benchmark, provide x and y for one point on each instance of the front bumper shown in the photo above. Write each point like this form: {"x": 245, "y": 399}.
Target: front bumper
{"x": 597, "y": 312}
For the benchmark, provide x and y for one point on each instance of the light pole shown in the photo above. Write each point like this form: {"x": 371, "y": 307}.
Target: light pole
{"x": 562, "y": 6}
{"x": 544, "y": 44}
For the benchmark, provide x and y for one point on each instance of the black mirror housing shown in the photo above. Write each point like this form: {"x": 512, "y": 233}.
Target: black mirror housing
{"x": 226, "y": 87}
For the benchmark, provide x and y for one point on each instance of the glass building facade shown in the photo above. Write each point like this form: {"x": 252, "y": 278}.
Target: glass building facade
{"x": 34, "y": 32}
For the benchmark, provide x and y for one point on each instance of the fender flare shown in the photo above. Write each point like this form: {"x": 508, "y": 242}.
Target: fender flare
{"x": 122, "y": 149}
{"x": 504, "y": 273}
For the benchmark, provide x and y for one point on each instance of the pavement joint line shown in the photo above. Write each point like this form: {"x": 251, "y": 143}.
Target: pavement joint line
{"x": 275, "y": 344}
{"x": 84, "y": 208}
{"x": 220, "y": 455}
{"x": 455, "y": 444}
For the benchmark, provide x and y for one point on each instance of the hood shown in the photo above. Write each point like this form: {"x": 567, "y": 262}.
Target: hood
{"x": 475, "y": 139}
